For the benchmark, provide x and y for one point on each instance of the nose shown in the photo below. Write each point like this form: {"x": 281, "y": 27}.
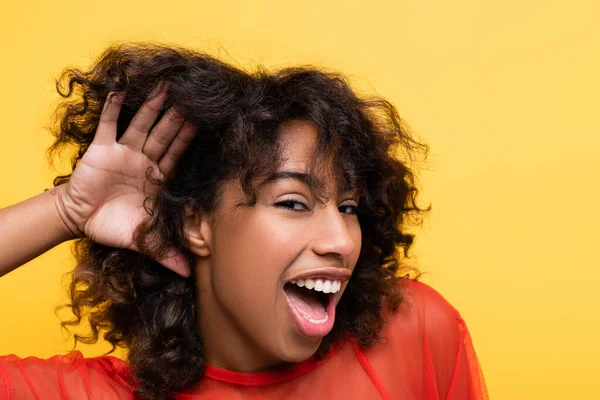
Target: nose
{"x": 335, "y": 233}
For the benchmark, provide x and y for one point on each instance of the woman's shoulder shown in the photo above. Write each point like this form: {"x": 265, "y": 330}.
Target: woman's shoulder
{"x": 64, "y": 376}
{"x": 420, "y": 345}
{"x": 424, "y": 306}
{"x": 426, "y": 317}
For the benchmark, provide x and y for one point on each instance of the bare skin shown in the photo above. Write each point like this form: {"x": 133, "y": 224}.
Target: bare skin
{"x": 103, "y": 199}
{"x": 245, "y": 259}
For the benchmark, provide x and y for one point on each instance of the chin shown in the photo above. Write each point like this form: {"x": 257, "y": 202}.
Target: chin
{"x": 300, "y": 350}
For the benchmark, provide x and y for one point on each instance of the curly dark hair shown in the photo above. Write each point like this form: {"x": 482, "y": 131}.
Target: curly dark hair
{"x": 137, "y": 304}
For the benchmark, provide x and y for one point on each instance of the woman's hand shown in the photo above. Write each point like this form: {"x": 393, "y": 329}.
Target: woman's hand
{"x": 104, "y": 197}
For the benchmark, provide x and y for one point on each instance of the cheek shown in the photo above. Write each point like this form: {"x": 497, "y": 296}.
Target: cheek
{"x": 253, "y": 253}
{"x": 268, "y": 235}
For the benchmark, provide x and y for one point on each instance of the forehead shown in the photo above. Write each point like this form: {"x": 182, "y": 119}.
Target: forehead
{"x": 300, "y": 153}
{"x": 298, "y": 141}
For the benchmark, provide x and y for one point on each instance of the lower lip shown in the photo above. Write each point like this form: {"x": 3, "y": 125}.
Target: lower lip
{"x": 311, "y": 329}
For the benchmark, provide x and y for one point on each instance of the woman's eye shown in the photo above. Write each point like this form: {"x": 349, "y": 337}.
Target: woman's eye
{"x": 292, "y": 205}
{"x": 348, "y": 209}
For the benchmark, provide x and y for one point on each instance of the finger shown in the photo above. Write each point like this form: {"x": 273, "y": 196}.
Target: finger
{"x": 174, "y": 260}
{"x": 106, "y": 133}
{"x": 181, "y": 142}
{"x": 162, "y": 135}
{"x": 139, "y": 127}
{"x": 177, "y": 263}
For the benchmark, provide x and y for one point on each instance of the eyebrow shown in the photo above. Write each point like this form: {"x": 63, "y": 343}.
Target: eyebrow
{"x": 314, "y": 184}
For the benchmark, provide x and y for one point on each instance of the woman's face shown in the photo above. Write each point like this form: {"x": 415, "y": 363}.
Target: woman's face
{"x": 254, "y": 307}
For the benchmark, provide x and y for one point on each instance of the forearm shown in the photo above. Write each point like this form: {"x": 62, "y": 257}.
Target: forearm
{"x": 30, "y": 228}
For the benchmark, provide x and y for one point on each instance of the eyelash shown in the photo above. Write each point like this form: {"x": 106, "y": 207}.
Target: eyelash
{"x": 289, "y": 205}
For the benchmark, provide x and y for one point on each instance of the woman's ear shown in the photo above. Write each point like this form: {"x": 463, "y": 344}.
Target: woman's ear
{"x": 198, "y": 232}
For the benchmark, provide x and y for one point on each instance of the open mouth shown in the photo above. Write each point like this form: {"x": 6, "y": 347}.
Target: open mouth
{"x": 312, "y": 303}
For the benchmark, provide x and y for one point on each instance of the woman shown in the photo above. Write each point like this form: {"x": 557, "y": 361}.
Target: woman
{"x": 238, "y": 234}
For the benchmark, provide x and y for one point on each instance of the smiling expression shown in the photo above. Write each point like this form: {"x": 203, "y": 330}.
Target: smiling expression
{"x": 246, "y": 318}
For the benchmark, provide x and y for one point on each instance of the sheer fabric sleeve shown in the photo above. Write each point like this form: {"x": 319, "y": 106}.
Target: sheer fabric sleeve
{"x": 426, "y": 351}
{"x": 63, "y": 377}
{"x": 467, "y": 378}
{"x": 448, "y": 349}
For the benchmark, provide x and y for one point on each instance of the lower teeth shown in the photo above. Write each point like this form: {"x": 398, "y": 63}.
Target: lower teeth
{"x": 319, "y": 321}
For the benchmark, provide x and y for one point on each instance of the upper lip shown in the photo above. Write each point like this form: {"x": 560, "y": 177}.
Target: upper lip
{"x": 330, "y": 273}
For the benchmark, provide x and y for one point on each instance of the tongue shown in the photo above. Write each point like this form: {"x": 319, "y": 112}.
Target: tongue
{"x": 305, "y": 301}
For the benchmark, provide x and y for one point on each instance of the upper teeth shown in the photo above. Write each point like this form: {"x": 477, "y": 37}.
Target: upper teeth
{"x": 320, "y": 285}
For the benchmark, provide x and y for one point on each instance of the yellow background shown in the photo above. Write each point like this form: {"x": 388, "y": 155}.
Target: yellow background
{"x": 505, "y": 92}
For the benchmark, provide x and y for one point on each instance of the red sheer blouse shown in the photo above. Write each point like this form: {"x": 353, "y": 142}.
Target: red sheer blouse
{"x": 426, "y": 353}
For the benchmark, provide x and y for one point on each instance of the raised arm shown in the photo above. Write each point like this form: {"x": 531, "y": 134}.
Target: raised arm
{"x": 103, "y": 199}
{"x": 30, "y": 228}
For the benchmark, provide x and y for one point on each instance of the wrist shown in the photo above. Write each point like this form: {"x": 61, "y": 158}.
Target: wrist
{"x": 66, "y": 224}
